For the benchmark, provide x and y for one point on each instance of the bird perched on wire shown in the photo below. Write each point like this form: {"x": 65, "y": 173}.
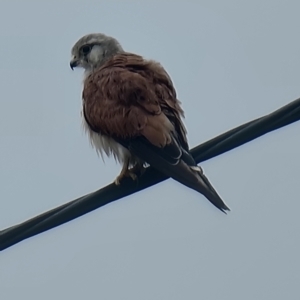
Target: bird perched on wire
{"x": 131, "y": 111}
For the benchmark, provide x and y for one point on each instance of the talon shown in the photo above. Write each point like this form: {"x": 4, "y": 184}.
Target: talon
{"x": 138, "y": 168}
{"x": 127, "y": 173}
{"x": 132, "y": 175}
{"x": 117, "y": 181}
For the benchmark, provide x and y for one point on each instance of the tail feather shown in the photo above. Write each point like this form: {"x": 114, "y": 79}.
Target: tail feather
{"x": 196, "y": 180}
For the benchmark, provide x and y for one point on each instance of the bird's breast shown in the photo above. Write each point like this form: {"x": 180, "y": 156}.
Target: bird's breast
{"x": 105, "y": 144}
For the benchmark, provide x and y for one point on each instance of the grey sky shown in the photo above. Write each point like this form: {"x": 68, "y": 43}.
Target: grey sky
{"x": 231, "y": 62}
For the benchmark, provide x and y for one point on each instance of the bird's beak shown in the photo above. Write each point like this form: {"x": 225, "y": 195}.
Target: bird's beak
{"x": 74, "y": 63}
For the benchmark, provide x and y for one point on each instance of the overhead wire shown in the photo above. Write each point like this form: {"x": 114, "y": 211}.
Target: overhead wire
{"x": 225, "y": 142}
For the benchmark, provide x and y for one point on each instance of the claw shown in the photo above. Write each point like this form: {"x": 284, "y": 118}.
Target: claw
{"x": 137, "y": 169}
{"x": 126, "y": 173}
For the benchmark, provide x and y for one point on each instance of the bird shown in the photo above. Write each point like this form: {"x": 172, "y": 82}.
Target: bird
{"x": 130, "y": 110}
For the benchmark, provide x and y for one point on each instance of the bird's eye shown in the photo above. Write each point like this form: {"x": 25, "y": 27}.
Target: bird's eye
{"x": 85, "y": 49}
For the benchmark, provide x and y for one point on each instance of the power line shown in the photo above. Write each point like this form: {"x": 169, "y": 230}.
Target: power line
{"x": 227, "y": 141}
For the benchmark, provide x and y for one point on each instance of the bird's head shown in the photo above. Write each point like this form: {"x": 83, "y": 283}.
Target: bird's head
{"x": 92, "y": 50}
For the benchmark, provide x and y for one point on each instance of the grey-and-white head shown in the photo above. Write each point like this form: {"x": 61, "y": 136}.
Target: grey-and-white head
{"x": 92, "y": 50}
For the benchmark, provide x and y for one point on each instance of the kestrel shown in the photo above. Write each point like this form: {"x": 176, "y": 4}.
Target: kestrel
{"x": 131, "y": 111}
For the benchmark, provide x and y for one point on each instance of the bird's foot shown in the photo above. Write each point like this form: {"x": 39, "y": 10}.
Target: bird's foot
{"x": 138, "y": 169}
{"x": 126, "y": 173}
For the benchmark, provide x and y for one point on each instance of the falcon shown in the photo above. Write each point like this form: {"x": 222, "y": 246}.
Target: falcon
{"x": 131, "y": 111}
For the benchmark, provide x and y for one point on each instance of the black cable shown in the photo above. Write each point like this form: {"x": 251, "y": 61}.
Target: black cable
{"x": 216, "y": 146}
{"x": 247, "y": 132}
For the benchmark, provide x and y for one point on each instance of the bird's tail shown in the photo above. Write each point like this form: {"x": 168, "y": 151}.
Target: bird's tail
{"x": 193, "y": 177}
{"x": 177, "y": 163}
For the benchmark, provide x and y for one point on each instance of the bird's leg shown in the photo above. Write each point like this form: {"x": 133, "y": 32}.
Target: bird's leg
{"x": 125, "y": 172}
{"x": 138, "y": 168}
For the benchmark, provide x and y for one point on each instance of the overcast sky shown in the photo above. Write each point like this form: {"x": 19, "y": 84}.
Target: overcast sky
{"x": 231, "y": 61}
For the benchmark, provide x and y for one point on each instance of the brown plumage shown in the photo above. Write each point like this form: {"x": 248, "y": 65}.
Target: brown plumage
{"x": 131, "y": 103}
{"x": 129, "y": 97}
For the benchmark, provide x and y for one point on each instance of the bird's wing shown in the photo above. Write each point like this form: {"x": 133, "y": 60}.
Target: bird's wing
{"x": 130, "y": 97}
{"x": 134, "y": 102}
